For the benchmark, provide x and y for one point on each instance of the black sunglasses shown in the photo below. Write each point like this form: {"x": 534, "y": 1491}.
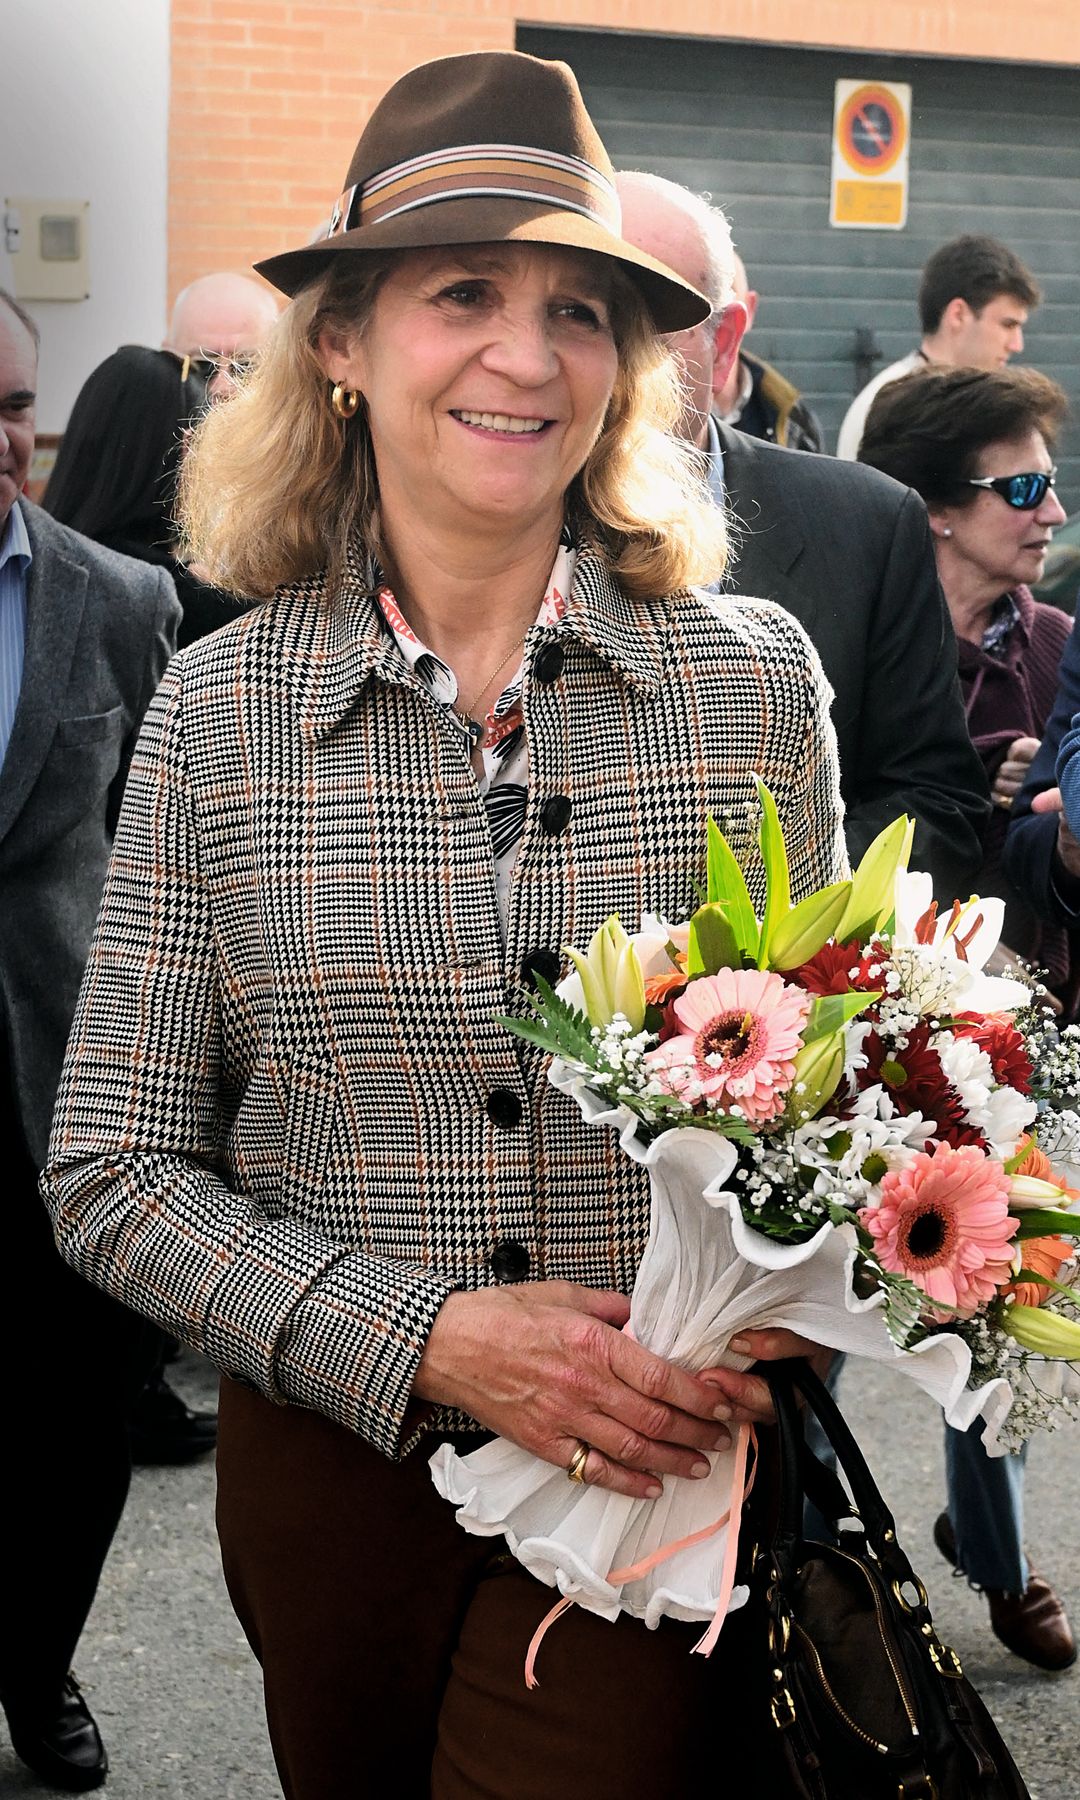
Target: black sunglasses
{"x": 208, "y": 363}
{"x": 1024, "y": 492}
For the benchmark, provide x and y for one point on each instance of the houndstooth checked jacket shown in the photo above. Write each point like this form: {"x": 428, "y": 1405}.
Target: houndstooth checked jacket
{"x": 289, "y": 1124}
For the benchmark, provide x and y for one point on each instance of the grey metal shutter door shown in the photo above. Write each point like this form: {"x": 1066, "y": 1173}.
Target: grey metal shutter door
{"x": 995, "y": 148}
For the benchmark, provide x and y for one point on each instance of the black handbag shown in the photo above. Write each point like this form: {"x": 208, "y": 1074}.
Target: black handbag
{"x": 867, "y": 1702}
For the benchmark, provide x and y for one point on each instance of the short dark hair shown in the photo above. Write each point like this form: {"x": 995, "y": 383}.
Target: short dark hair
{"x": 22, "y": 315}
{"x": 929, "y": 429}
{"x": 975, "y": 269}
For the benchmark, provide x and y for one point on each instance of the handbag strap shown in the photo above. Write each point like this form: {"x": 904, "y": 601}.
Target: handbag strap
{"x": 785, "y": 1379}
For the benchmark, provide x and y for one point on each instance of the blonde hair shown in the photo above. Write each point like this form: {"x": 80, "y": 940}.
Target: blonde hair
{"x": 274, "y": 487}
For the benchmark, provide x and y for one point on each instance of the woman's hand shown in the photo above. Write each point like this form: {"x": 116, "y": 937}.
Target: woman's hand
{"x": 1068, "y": 848}
{"x": 547, "y": 1366}
{"x": 1012, "y": 773}
{"x": 746, "y": 1396}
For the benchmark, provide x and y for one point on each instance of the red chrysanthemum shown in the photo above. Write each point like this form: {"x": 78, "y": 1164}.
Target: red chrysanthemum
{"x": 916, "y": 1082}
{"x": 997, "y": 1035}
{"x": 836, "y": 969}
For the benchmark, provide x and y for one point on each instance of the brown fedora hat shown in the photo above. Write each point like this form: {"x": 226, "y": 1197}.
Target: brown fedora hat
{"x": 478, "y": 149}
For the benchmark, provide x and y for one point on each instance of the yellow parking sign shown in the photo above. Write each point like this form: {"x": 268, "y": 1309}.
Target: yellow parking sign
{"x": 871, "y": 138}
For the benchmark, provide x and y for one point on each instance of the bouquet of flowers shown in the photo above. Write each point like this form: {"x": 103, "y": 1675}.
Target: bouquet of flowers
{"x": 851, "y": 1131}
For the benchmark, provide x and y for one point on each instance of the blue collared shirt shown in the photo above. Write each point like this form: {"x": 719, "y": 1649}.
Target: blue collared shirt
{"x": 15, "y": 559}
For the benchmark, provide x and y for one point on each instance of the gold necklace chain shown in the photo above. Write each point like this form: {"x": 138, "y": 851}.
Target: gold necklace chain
{"x": 474, "y": 727}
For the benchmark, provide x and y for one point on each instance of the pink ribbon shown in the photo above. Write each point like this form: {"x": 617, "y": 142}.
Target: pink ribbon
{"x": 741, "y": 1486}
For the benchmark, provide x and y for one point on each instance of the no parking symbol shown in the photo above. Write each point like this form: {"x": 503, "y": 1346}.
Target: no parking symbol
{"x": 871, "y": 136}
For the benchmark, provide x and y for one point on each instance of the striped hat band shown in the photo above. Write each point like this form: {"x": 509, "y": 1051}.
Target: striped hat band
{"x": 472, "y": 171}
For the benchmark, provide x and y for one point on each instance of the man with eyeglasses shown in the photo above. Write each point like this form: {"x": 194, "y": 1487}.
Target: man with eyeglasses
{"x": 975, "y": 296}
{"x": 219, "y": 323}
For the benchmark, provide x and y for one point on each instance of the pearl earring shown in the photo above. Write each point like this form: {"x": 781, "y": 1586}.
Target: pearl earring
{"x": 946, "y": 531}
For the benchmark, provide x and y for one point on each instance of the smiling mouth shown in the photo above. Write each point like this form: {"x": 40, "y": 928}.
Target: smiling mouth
{"x": 503, "y": 422}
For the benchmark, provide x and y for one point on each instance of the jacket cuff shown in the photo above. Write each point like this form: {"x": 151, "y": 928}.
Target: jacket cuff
{"x": 350, "y": 1347}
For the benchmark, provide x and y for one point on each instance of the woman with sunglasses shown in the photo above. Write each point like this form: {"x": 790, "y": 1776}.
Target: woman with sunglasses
{"x": 977, "y": 445}
{"x": 478, "y": 708}
{"x": 115, "y": 473}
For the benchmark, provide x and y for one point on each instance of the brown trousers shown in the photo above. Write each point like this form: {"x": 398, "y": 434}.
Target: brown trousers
{"x": 393, "y": 1644}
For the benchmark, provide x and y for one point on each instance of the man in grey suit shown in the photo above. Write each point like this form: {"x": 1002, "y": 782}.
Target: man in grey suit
{"x": 849, "y": 553}
{"x": 84, "y": 639}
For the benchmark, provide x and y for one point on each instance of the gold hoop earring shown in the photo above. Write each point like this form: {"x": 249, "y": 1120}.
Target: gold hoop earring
{"x": 344, "y": 401}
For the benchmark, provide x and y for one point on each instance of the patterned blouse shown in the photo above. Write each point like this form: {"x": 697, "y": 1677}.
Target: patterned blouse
{"x": 505, "y": 751}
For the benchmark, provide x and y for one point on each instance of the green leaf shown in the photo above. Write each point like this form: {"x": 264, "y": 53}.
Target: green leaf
{"x": 808, "y": 926}
{"x": 1045, "y": 1281}
{"x": 1047, "y": 1221}
{"x": 713, "y": 944}
{"x": 727, "y": 887}
{"x": 777, "y": 875}
{"x": 831, "y": 1012}
{"x": 1012, "y": 1167}
{"x": 904, "y": 1303}
{"x": 556, "y": 1027}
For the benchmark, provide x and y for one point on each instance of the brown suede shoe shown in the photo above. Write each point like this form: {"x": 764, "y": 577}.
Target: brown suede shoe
{"x": 1033, "y": 1624}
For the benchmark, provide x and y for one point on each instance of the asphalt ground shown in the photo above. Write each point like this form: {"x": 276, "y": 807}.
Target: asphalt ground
{"x": 176, "y": 1691}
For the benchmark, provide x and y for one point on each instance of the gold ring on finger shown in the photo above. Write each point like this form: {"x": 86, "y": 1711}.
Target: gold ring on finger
{"x": 576, "y": 1467}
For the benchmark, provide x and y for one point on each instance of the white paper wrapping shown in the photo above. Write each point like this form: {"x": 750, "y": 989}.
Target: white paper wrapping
{"x": 704, "y": 1277}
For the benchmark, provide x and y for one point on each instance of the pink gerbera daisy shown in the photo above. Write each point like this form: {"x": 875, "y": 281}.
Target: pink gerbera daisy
{"x": 944, "y": 1223}
{"x": 740, "y": 1031}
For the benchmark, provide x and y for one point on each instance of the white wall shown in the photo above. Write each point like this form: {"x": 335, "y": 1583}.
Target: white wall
{"x": 84, "y": 116}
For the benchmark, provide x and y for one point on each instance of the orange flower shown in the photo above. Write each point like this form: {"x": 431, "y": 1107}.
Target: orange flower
{"x": 1037, "y": 1163}
{"x": 658, "y": 987}
{"x": 1043, "y": 1256}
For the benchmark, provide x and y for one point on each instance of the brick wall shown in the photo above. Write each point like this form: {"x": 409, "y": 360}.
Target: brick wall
{"x": 268, "y": 97}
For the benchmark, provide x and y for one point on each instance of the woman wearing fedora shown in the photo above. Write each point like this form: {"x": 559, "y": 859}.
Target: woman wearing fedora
{"x": 480, "y": 704}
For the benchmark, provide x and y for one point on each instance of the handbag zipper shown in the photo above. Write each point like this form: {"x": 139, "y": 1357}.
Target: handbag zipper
{"x": 883, "y": 1632}
{"x": 882, "y": 1626}
{"x": 856, "y": 1730}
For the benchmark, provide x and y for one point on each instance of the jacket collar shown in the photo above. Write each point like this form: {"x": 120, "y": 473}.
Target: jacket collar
{"x": 55, "y": 599}
{"x": 772, "y": 529}
{"x": 333, "y": 645}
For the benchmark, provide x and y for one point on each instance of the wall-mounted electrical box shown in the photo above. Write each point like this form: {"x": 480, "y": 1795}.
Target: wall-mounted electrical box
{"x": 49, "y": 245}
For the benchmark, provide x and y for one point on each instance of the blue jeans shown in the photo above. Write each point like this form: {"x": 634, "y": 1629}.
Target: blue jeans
{"x": 986, "y": 1506}
{"x": 985, "y": 1502}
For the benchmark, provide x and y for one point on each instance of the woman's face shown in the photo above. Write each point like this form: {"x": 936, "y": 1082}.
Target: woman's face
{"x": 487, "y": 372}
{"x": 998, "y": 542}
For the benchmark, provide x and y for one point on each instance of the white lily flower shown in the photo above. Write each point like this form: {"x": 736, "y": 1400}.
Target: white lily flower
{"x": 1027, "y": 1192}
{"x": 965, "y": 941}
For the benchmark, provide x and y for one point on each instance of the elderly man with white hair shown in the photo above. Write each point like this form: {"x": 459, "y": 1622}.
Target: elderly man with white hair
{"x": 218, "y": 324}
{"x": 846, "y": 551}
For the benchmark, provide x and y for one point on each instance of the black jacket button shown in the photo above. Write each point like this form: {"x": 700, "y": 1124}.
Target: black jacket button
{"x": 545, "y": 963}
{"x": 509, "y": 1261}
{"x": 555, "y": 813}
{"x": 503, "y": 1108}
{"x": 548, "y": 662}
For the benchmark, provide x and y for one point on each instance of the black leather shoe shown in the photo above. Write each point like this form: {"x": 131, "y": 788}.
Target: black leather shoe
{"x": 162, "y": 1429}
{"x": 1033, "y": 1625}
{"x": 62, "y": 1744}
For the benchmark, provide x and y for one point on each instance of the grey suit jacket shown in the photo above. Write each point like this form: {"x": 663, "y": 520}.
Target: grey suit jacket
{"x": 848, "y": 551}
{"x": 100, "y": 629}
